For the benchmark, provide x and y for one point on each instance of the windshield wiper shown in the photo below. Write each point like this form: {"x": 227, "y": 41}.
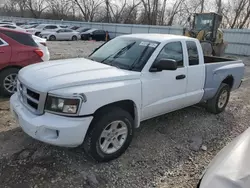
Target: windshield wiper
{"x": 117, "y": 54}
{"x": 141, "y": 56}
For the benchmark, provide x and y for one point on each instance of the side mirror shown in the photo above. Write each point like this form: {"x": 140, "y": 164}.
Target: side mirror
{"x": 164, "y": 64}
{"x": 189, "y": 19}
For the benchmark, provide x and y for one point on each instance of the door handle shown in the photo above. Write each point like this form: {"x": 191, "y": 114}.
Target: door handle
{"x": 180, "y": 77}
{"x": 1, "y": 51}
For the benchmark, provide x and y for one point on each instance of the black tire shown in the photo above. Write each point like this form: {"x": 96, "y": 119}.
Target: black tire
{"x": 213, "y": 105}
{"x": 103, "y": 118}
{"x": 83, "y": 37}
{"x": 4, "y": 74}
{"x": 74, "y": 38}
{"x": 37, "y": 33}
{"x": 52, "y": 38}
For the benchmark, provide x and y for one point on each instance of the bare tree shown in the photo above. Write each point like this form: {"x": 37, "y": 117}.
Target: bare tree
{"x": 60, "y": 9}
{"x": 88, "y": 8}
{"x": 174, "y": 11}
{"x": 36, "y": 7}
{"x": 202, "y": 5}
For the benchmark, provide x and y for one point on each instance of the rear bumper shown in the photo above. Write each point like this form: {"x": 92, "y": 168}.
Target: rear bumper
{"x": 49, "y": 128}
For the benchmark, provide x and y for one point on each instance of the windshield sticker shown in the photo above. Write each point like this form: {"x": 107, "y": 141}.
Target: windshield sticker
{"x": 153, "y": 45}
{"x": 149, "y": 44}
{"x": 144, "y": 44}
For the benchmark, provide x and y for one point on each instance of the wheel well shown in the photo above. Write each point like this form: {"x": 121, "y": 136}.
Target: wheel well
{"x": 229, "y": 80}
{"x": 127, "y": 105}
{"x": 10, "y": 67}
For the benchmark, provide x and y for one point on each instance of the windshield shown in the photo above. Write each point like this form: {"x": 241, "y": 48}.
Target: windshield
{"x": 203, "y": 22}
{"x": 125, "y": 53}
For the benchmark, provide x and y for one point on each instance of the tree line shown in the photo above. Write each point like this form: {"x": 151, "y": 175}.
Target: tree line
{"x": 236, "y": 13}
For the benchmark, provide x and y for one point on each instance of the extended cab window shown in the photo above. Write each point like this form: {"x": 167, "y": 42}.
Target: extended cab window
{"x": 22, "y": 38}
{"x": 193, "y": 55}
{"x": 172, "y": 50}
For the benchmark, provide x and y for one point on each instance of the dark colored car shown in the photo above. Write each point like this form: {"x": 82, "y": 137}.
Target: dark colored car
{"x": 73, "y": 27}
{"x": 95, "y": 34}
{"x": 17, "y": 50}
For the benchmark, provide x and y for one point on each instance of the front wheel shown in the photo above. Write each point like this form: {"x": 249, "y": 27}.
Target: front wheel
{"x": 8, "y": 81}
{"x": 219, "y": 102}
{"x": 52, "y": 38}
{"x": 74, "y": 38}
{"x": 110, "y": 134}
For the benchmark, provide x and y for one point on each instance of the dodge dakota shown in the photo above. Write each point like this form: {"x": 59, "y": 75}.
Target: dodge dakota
{"x": 98, "y": 101}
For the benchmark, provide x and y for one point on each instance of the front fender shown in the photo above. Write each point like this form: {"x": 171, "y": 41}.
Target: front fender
{"x": 101, "y": 94}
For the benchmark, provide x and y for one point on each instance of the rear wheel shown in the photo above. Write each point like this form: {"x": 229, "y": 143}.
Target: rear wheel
{"x": 8, "y": 81}
{"x": 110, "y": 134}
{"x": 74, "y": 38}
{"x": 219, "y": 102}
{"x": 52, "y": 38}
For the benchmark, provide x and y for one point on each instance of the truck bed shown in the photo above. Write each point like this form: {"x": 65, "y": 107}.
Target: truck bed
{"x": 220, "y": 70}
{"x": 211, "y": 59}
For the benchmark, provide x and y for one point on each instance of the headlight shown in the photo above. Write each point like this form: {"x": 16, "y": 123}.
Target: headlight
{"x": 62, "y": 105}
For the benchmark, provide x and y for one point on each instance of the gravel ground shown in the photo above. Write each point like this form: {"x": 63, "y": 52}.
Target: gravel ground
{"x": 69, "y": 49}
{"x": 170, "y": 151}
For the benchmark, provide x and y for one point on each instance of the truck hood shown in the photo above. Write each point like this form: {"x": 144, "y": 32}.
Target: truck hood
{"x": 58, "y": 74}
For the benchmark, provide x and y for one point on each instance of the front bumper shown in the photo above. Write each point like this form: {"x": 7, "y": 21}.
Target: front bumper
{"x": 50, "y": 128}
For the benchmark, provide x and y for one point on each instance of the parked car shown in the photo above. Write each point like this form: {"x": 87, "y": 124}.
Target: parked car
{"x": 17, "y": 49}
{"x": 29, "y": 26}
{"x": 73, "y": 27}
{"x": 60, "y": 34}
{"x": 64, "y": 26}
{"x": 94, "y": 34}
{"x": 42, "y": 44}
{"x": 102, "y": 99}
{"x": 83, "y": 29}
{"x": 9, "y": 23}
{"x": 37, "y": 30}
{"x": 230, "y": 168}
{"x": 13, "y": 27}
{"x": 20, "y": 23}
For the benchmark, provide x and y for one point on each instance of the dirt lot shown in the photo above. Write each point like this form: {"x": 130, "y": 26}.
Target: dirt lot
{"x": 164, "y": 153}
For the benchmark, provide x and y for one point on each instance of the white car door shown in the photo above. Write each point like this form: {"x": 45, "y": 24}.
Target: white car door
{"x": 165, "y": 91}
{"x": 60, "y": 34}
{"x": 196, "y": 73}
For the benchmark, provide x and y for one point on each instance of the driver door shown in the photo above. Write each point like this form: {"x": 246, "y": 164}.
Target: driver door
{"x": 60, "y": 34}
{"x": 165, "y": 91}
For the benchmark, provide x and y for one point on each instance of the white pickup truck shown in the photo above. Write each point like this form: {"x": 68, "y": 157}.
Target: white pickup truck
{"x": 98, "y": 101}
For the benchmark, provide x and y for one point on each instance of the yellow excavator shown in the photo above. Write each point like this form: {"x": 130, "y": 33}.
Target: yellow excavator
{"x": 205, "y": 27}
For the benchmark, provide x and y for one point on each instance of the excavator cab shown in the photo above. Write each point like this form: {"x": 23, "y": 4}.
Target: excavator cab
{"x": 205, "y": 27}
{"x": 208, "y": 22}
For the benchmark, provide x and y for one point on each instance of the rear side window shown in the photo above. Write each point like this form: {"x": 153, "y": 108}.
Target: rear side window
{"x": 193, "y": 55}
{"x": 68, "y": 30}
{"x": 51, "y": 27}
{"x": 1, "y": 42}
{"x": 21, "y": 38}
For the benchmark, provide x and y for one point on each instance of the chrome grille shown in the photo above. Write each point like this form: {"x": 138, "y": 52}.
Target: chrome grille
{"x": 31, "y": 98}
